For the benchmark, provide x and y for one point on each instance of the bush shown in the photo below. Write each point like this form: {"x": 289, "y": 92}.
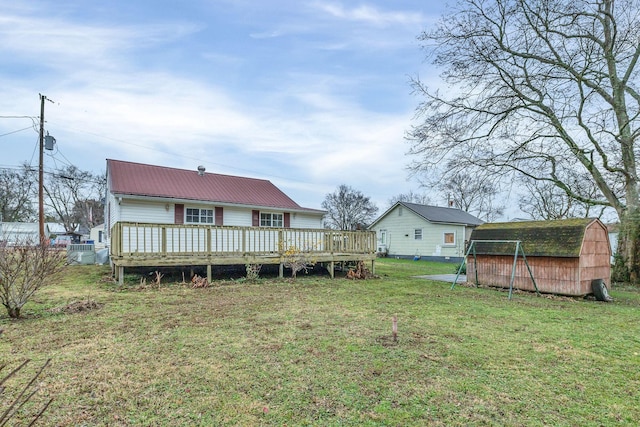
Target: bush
{"x": 253, "y": 271}
{"x": 298, "y": 260}
{"x": 24, "y": 269}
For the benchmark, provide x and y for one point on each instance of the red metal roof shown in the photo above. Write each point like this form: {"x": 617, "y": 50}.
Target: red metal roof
{"x": 127, "y": 178}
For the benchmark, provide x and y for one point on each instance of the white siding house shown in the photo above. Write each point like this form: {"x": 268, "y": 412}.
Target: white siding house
{"x": 409, "y": 230}
{"x": 18, "y": 233}
{"x": 153, "y": 194}
{"x": 158, "y": 216}
{"x": 97, "y": 236}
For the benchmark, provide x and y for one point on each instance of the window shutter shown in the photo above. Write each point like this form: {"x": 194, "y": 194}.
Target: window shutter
{"x": 287, "y": 220}
{"x": 255, "y": 218}
{"x": 179, "y": 214}
{"x": 219, "y": 217}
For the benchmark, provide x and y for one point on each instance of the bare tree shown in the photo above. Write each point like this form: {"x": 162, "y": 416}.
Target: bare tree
{"x": 544, "y": 89}
{"x": 543, "y": 200}
{"x": 17, "y": 189}
{"x": 410, "y": 197}
{"x": 475, "y": 193}
{"x": 73, "y": 197}
{"x": 348, "y": 209}
{"x": 26, "y": 267}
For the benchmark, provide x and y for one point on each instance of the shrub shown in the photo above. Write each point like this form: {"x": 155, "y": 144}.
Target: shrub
{"x": 298, "y": 260}
{"x": 24, "y": 269}
{"x": 253, "y": 271}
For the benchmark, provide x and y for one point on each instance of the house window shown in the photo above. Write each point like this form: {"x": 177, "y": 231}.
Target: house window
{"x": 270, "y": 219}
{"x": 417, "y": 234}
{"x": 449, "y": 239}
{"x": 199, "y": 216}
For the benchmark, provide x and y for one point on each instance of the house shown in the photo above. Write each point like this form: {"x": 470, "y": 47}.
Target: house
{"x": 97, "y": 236}
{"x": 61, "y": 237}
{"x": 159, "y": 216}
{"x": 565, "y": 256}
{"x": 155, "y": 194}
{"x": 16, "y": 233}
{"x": 410, "y": 230}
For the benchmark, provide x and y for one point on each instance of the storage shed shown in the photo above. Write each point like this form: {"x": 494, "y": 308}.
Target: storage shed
{"x": 565, "y": 256}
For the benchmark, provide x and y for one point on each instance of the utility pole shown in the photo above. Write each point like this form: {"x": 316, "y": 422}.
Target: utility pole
{"x": 50, "y": 142}
{"x": 41, "y": 173}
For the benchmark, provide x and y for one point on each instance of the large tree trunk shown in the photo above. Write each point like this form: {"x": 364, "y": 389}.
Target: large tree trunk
{"x": 627, "y": 259}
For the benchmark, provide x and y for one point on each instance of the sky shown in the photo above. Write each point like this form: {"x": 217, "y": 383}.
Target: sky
{"x": 307, "y": 94}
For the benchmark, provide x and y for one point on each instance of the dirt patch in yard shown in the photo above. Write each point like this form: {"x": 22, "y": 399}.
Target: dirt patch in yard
{"x": 78, "y": 307}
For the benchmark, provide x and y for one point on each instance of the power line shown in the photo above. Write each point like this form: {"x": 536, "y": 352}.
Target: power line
{"x": 33, "y": 118}
{"x": 52, "y": 172}
{"x": 16, "y": 131}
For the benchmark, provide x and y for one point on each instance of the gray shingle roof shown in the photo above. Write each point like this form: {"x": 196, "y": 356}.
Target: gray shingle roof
{"x": 442, "y": 215}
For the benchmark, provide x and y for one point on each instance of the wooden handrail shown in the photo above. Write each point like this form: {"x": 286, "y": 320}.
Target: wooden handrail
{"x": 130, "y": 239}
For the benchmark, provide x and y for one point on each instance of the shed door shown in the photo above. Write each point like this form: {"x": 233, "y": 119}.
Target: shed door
{"x": 255, "y": 218}
{"x": 287, "y": 220}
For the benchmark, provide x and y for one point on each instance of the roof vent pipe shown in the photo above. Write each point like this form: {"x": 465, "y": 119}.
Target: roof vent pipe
{"x": 201, "y": 170}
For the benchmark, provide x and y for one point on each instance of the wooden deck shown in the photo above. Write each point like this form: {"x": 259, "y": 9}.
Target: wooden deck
{"x": 163, "y": 245}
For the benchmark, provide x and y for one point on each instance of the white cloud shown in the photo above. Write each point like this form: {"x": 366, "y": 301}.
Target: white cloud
{"x": 370, "y": 15}
{"x": 57, "y": 43}
{"x": 266, "y": 35}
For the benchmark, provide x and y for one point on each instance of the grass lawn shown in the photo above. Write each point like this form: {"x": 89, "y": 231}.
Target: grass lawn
{"x": 317, "y": 351}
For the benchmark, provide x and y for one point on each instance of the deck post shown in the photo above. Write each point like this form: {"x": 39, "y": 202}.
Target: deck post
{"x": 281, "y": 272}
{"x": 332, "y": 269}
{"x": 120, "y": 275}
{"x": 163, "y": 241}
{"x": 209, "y": 273}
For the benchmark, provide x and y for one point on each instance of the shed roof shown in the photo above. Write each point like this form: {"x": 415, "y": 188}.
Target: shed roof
{"x": 559, "y": 238}
{"x": 137, "y": 179}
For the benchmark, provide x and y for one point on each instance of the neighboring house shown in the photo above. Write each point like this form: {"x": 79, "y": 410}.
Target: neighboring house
{"x": 12, "y": 233}
{"x": 410, "y": 230}
{"x": 61, "y": 236}
{"x": 56, "y": 229}
{"x": 154, "y": 194}
{"x": 97, "y": 236}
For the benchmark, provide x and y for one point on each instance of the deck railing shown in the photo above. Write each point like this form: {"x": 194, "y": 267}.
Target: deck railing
{"x": 132, "y": 239}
